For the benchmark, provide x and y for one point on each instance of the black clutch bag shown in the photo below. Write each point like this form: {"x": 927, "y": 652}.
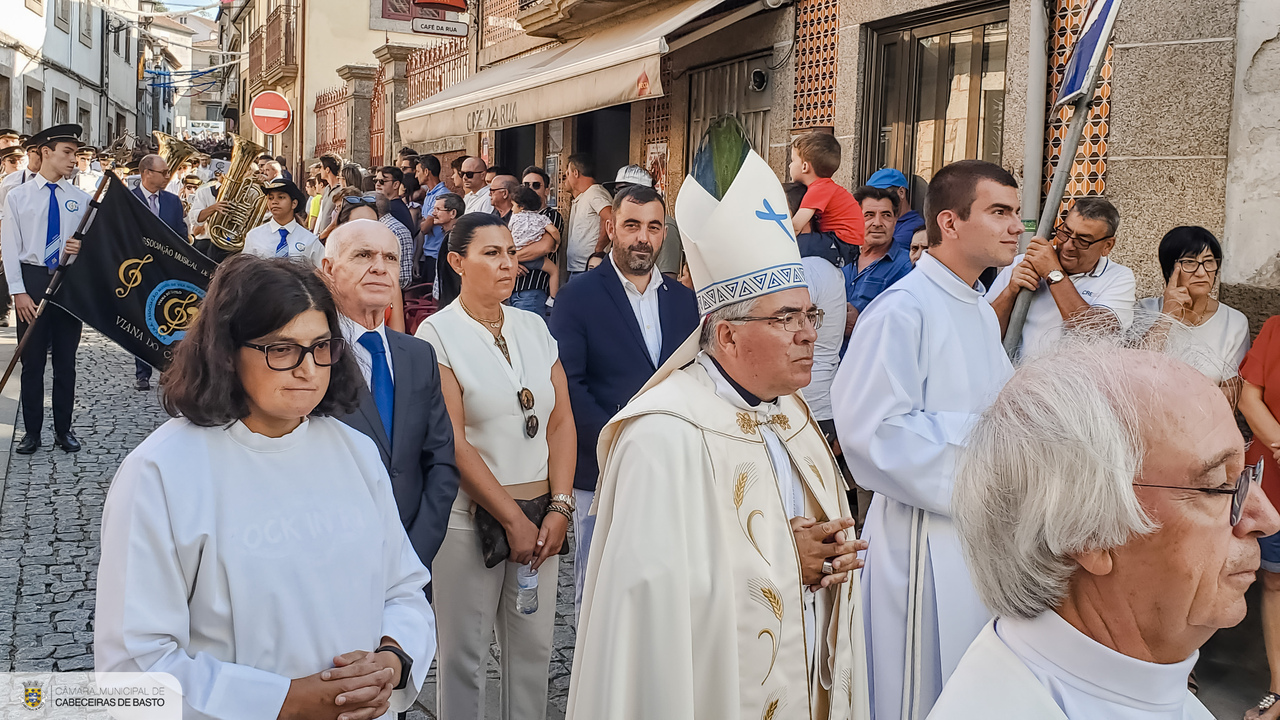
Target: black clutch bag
{"x": 493, "y": 537}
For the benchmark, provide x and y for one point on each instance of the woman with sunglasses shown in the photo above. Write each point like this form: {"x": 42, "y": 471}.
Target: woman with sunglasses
{"x": 1213, "y": 337}
{"x": 225, "y": 531}
{"x": 516, "y": 446}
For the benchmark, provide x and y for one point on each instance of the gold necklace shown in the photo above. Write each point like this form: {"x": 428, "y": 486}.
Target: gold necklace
{"x": 494, "y": 324}
{"x": 495, "y": 327}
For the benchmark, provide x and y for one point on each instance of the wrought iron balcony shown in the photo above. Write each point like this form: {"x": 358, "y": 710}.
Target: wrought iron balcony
{"x": 281, "y": 63}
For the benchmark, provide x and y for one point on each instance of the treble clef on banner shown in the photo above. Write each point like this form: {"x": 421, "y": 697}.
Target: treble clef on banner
{"x": 131, "y": 274}
{"x": 180, "y": 313}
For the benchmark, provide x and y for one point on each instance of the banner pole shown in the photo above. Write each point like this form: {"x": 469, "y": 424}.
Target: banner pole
{"x": 54, "y": 282}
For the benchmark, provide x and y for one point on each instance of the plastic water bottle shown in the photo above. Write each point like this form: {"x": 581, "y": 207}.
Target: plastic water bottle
{"x": 527, "y": 595}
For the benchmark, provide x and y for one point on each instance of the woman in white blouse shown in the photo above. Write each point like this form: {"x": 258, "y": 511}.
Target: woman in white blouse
{"x": 1212, "y": 337}
{"x": 251, "y": 546}
{"x": 514, "y": 439}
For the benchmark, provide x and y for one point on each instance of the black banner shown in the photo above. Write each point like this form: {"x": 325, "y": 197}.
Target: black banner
{"x": 135, "y": 280}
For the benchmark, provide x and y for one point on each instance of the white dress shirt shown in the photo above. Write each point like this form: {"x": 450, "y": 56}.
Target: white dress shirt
{"x": 203, "y": 198}
{"x": 13, "y": 180}
{"x": 1216, "y": 347}
{"x": 1110, "y": 285}
{"x": 23, "y": 233}
{"x": 352, "y": 331}
{"x": 1090, "y": 680}
{"x": 302, "y": 243}
{"x": 645, "y": 306}
{"x": 478, "y": 201}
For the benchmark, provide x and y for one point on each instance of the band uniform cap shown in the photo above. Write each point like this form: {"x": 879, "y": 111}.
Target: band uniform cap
{"x": 69, "y": 132}
{"x": 743, "y": 246}
{"x": 887, "y": 178}
{"x": 88, "y": 150}
{"x": 630, "y": 175}
{"x": 286, "y": 186}
{"x": 11, "y": 151}
{"x": 9, "y": 134}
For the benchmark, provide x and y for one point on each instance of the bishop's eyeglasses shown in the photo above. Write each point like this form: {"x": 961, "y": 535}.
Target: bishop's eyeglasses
{"x": 792, "y": 321}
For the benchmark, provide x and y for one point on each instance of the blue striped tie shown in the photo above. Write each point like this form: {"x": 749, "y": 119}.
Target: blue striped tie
{"x": 53, "y": 237}
{"x": 282, "y": 250}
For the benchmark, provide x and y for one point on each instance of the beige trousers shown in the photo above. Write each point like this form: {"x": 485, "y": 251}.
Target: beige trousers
{"x": 471, "y": 603}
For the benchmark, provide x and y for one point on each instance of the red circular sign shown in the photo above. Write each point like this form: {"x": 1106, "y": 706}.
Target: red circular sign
{"x": 270, "y": 112}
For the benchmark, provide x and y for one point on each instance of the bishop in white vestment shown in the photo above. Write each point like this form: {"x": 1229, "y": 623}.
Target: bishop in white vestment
{"x": 924, "y": 359}
{"x": 694, "y": 604}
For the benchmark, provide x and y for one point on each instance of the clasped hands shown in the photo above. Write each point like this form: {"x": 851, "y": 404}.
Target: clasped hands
{"x": 358, "y": 687}
{"x": 1040, "y": 260}
{"x": 828, "y": 541}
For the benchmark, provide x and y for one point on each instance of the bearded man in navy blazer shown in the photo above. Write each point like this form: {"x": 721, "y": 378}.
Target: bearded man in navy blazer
{"x": 615, "y": 326}
{"x": 401, "y": 405}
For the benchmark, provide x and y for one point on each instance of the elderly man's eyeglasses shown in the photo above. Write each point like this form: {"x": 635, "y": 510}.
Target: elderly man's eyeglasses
{"x": 1239, "y": 494}
{"x": 1191, "y": 266}
{"x": 792, "y": 321}
{"x": 1063, "y": 234}
{"x": 287, "y": 356}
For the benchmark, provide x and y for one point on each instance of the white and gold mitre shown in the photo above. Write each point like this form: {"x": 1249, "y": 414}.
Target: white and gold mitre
{"x": 741, "y": 246}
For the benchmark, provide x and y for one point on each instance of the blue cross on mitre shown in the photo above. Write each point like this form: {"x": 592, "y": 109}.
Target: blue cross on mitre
{"x": 772, "y": 215}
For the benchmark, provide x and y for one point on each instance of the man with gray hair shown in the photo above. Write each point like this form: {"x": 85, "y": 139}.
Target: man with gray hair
{"x": 401, "y": 405}
{"x": 1110, "y": 524}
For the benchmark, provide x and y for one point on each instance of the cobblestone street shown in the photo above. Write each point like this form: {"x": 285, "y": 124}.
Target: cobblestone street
{"x": 50, "y": 516}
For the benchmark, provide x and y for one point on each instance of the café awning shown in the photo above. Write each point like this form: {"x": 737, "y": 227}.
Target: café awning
{"x": 615, "y": 66}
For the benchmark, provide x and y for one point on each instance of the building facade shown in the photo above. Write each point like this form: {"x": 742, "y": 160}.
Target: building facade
{"x": 69, "y": 61}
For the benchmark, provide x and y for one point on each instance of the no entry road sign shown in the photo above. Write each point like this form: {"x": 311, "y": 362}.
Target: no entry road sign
{"x": 270, "y": 113}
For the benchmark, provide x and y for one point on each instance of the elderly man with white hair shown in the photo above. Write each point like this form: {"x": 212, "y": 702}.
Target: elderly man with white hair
{"x": 401, "y": 405}
{"x": 1111, "y": 526}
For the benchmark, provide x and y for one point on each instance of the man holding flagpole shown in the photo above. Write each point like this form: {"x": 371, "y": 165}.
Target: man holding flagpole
{"x": 717, "y": 584}
{"x": 40, "y": 218}
{"x": 925, "y": 360}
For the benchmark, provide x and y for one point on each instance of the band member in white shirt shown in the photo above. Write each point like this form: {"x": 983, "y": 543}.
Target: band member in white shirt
{"x": 36, "y": 237}
{"x": 282, "y": 236}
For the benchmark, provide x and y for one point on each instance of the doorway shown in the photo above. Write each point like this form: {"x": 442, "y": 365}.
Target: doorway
{"x": 605, "y": 135}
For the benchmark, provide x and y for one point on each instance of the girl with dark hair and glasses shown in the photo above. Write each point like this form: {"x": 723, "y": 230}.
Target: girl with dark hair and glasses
{"x": 251, "y": 546}
{"x": 516, "y": 448}
{"x": 1215, "y": 337}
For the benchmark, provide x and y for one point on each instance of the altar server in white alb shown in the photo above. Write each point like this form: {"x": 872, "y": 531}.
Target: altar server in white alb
{"x": 282, "y": 236}
{"x": 721, "y": 581}
{"x": 1136, "y": 537}
{"x": 251, "y": 546}
{"x": 923, "y": 361}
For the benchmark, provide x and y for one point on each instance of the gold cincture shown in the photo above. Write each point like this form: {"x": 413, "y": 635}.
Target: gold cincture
{"x": 748, "y": 424}
{"x": 131, "y": 274}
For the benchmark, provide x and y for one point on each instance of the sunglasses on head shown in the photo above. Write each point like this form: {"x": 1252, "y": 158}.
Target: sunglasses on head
{"x": 361, "y": 199}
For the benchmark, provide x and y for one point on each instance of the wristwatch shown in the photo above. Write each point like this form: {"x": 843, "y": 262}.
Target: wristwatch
{"x": 406, "y": 664}
{"x": 567, "y": 500}
{"x": 1055, "y": 277}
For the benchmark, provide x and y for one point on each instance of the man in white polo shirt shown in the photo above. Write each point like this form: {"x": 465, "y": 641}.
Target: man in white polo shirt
{"x": 1072, "y": 277}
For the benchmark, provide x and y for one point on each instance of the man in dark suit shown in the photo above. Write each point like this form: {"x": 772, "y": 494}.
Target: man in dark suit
{"x": 153, "y": 176}
{"x": 615, "y": 326}
{"x": 401, "y": 405}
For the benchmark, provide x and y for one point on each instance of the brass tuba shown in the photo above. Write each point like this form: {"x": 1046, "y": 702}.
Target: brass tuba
{"x": 242, "y": 191}
{"x": 174, "y": 151}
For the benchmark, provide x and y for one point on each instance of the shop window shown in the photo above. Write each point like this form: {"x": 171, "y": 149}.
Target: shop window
{"x": 936, "y": 93}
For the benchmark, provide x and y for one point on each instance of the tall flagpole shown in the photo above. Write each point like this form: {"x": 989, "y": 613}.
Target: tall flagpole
{"x": 1079, "y": 83}
{"x": 54, "y": 281}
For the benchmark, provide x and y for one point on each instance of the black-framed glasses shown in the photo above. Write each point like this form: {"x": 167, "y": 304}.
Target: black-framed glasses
{"x": 1239, "y": 494}
{"x": 468, "y": 174}
{"x": 525, "y": 396}
{"x": 285, "y": 356}
{"x": 792, "y": 321}
{"x": 361, "y": 199}
{"x": 1191, "y": 266}
{"x": 534, "y": 185}
{"x": 1063, "y": 235}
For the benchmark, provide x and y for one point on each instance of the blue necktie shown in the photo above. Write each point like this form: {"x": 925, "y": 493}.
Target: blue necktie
{"x": 384, "y": 393}
{"x": 282, "y": 250}
{"x": 52, "y": 238}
